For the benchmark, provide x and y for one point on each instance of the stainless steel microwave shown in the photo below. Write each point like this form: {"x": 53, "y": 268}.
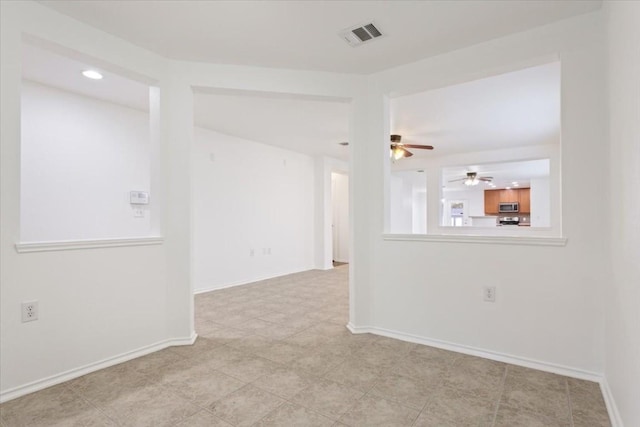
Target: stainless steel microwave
{"x": 509, "y": 207}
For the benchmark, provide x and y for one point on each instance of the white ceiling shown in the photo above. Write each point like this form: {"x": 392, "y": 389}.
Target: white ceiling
{"x": 514, "y": 109}
{"x": 503, "y": 174}
{"x": 309, "y": 126}
{"x": 304, "y": 34}
{"x": 505, "y": 111}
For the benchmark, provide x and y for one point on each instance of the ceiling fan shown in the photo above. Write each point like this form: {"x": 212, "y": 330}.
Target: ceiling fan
{"x": 472, "y": 178}
{"x": 399, "y": 150}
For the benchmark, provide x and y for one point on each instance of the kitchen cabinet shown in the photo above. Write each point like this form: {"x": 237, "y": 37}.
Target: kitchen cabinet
{"x": 524, "y": 198}
{"x": 492, "y": 198}
{"x": 491, "y": 201}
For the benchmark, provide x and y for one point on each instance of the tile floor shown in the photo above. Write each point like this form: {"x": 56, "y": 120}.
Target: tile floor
{"x": 276, "y": 353}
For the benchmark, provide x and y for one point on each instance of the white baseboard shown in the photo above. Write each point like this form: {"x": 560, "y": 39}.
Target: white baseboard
{"x": 480, "y": 352}
{"x": 612, "y": 408}
{"x": 205, "y": 289}
{"x": 34, "y": 386}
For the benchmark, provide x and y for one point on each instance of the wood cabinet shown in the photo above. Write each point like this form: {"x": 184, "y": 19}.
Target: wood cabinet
{"x": 491, "y": 201}
{"x": 524, "y": 198}
{"x": 492, "y": 198}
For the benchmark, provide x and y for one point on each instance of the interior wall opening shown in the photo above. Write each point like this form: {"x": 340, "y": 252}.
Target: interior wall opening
{"x": 262, "y": 185}
{"x": 86, "y": 149}
{"x": 489, "y": 150}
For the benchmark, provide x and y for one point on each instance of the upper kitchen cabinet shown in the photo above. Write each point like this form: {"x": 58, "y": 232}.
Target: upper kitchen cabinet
{"x": 492, "y": 198}
{"x": 491, "y": 201}
{"x": 524, "y": 198}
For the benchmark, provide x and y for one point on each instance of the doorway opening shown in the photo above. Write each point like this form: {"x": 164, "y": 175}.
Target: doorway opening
{"x": 340, "y": 218}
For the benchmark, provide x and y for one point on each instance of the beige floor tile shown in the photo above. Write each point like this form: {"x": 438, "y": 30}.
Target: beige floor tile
{"x": 587, "y": 404}
{"x": 202, "y": 345}
{"x": 510, "y": 417}
{"x": 290, "y": 414}
{"x": 475, "y": 374}
{"x": 355, "y": 373}
{"x": 106, "y": 385}
{"x": 282, "y": 352}
{"x": 452, "y": 407}
{"x": 380, "y": 356}
{"x": 55, "y": 406}
{"x": 245, "y": 406}
{"x": 204, "y": 387}
{"x": 376, "y": 411}
{"x": 153, "y": 362}
{"x": 249, "y": 368}
{"x": 203, "y": 419}
{"x": 149, "y": 406}
{"x": 536, "y": 392}
{"x": 328, "y": 398}
{"x": 220, "y": 334}
{"x": 317, "y": 363}
{"x": 252, "y": 344}
{"x": 285, "y": 382}
{"x": 219, "y": 356}
{"x": 430, "y": 371}
{"x": 407, "y": 391}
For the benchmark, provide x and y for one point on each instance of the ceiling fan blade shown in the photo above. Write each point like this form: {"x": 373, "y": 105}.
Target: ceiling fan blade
{"x": 408, "y": 153}
{"x": 486, "y": 178}
{"x": 424, "y": 147}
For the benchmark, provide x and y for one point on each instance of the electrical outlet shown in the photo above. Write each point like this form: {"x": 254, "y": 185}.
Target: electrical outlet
{"x": 489, "y": 293}
{"x": 29, "y": 311}
{"x": 138, "y": 212}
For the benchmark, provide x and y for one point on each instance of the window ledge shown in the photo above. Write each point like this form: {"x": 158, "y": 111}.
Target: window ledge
{"x": 493, "y": 240}
{"x": 68, "y": 245}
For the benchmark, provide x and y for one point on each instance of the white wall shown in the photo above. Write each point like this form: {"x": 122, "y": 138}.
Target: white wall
{"x": 622, "y": 288}
{"x": 474, "y": 198}
{"x": 407, "y": 202}
{"x": 548, "y": 308}
{"x": 249, "y": 198}
{"x": 419, "y": 214}
{"x": 80, "y": 158}
{"x": 340, "y": 208}
{"x": 540, "y": 199}
{"x": 96, "y": 306}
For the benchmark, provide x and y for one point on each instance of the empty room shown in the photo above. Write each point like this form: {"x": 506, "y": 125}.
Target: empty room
{"x": 320, "y": 213}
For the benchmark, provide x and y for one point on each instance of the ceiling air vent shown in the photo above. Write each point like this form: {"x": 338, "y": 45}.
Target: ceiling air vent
{"x": 360, "y": 34}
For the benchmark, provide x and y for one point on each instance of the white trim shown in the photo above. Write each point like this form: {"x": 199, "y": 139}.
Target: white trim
{"x": 494, "y": 240}
{"x": 480, "y": 352}
{"x": 246, "y": 282}
{"x": 612, "y": 408}
{"x": 67, "y": 245}
{"x": 34, "y": 386}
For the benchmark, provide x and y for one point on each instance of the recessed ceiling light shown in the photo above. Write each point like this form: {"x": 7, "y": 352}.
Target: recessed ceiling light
{"x": 508, "y": 188}
{"x": 92, "y": 74}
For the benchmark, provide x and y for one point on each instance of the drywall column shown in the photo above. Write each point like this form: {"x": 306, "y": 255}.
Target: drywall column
{"x": 622, "y": 290}
{"x": 177, "y": 112}
{"x": 323, "y": 214}
{"x": 9, "y": 197}
{"x": 369, "y": 161}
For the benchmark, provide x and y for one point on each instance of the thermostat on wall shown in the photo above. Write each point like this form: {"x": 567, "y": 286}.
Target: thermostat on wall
{"x": 139, "y": 198}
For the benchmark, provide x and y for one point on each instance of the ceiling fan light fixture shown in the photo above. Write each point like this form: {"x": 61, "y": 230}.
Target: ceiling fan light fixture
{"x": 398, "y": 152}
{"x": 471, "y": 181}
